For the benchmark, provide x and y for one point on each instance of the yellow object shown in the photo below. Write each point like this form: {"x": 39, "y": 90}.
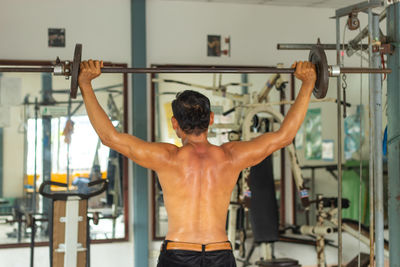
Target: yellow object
{"x": 171, "y": 131}
{"x": 61, "y": 178}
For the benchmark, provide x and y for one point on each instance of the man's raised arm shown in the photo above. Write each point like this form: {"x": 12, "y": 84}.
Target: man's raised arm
{"x": 249, "y": 153}
{"x": 148, "y": 155}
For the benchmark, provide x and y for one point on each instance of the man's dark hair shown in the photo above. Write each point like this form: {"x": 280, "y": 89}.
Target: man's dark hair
{"x": 192, "y": 111}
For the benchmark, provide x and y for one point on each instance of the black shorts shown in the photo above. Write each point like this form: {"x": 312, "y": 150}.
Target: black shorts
{"x": 188, "y": 258}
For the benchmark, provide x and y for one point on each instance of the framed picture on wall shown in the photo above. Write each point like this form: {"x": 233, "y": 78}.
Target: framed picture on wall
{"x": 56, "y": 37}
{"x": 214, "y": 45}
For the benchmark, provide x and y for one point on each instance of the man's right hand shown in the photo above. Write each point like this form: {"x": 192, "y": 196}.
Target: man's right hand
{"x": 249, "y": 153}
{"x": 305, "y": 71}
{"x": 89, "y": 70}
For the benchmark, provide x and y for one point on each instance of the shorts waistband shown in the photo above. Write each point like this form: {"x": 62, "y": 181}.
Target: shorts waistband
{"x": 173, "y": 245}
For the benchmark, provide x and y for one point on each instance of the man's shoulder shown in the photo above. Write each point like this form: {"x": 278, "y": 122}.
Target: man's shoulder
{"x": 171, "y": 148}
{"x": 229, "y": 145}
{"x": 228, "y": 148}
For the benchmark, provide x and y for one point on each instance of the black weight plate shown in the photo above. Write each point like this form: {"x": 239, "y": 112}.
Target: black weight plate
{"x": 318, "y": 57}
{"x": 75, "y": 70}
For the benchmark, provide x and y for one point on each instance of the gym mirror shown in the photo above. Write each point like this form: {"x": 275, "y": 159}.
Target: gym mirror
{"x": 45, "y": 136}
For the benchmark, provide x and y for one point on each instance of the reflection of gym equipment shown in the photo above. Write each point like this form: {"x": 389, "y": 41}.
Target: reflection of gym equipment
{"x": 252, "y": 126}
{"x": 114, "y": 176}
{"x": 114, "y": 168}
{"x": 9, "y": 207}
{"x": 69, "y": 224}
{"x": 278, "y": 117}
{"x": 275, "y": 80}
{"x": 264, "y": 215}
{"x": 24, "y": 219}
{"x": 263, "y": 210}
{"x": 220, "y": 90}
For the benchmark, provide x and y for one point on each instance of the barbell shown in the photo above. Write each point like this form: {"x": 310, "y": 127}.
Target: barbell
{"x": 317, "y": 56}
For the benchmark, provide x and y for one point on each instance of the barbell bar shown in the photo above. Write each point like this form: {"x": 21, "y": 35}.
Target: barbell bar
{"x": 317, "y": 56}
{"x": 216, "y": 69}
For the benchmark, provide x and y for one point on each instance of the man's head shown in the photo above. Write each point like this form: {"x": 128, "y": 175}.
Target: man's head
{"x": 191, "y": 112}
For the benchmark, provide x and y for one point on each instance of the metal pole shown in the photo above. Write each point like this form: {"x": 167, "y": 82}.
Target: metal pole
{"x": 139, "y": 117}
{"x": 378, "y": 172}
{"x": 293, "y": 46}
{"x": 363, "y": 70}
{"x": 313, "y": 196}
{"x": 339, "y": 145}
{"x": 320, "y": 239}
{"x": 27, "y": 69}
{"x": 46, "y": 96}
{"x": 1, "y": 157}
{"x": 69, "y": 143}
{"x": 1, "y": 160}
{"x": 35, "y": 158}
{"x": 393, "y": 111}
{"x": 32, "y": 244}
{"x": 371, "y": 147}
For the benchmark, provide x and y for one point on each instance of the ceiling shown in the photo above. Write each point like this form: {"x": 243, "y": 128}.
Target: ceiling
{"x": 299, "y": 3}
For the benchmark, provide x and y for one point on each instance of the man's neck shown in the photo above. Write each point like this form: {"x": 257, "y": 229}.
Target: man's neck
{"x": 195, "y": 139}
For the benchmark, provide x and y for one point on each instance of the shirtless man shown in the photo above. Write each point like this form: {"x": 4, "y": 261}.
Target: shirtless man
{"x": 197, "y": 179}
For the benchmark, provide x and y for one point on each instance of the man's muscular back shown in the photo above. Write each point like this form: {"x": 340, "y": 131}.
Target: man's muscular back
{"x": 198, "y": 178}
{"x": 197, "y": 189}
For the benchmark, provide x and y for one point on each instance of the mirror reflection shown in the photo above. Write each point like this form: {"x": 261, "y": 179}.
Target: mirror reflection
{"x": 46, "y": 136}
